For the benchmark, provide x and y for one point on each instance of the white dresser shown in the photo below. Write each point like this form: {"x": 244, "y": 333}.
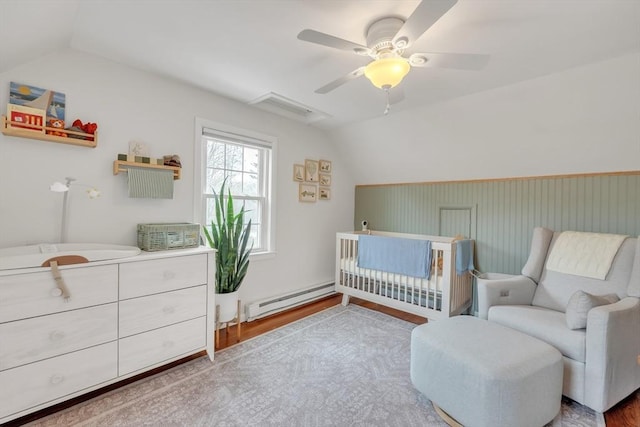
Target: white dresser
{"x": 124, "y": 317}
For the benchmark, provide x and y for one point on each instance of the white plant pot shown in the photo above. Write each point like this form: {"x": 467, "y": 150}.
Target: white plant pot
{"x": 228, "y": 306}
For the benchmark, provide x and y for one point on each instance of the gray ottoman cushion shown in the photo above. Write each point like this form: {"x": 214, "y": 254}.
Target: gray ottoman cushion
{"x": 485, "y": 374}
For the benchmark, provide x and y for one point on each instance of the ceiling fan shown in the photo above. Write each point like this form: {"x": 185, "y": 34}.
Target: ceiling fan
{"x": 387, "y": 40}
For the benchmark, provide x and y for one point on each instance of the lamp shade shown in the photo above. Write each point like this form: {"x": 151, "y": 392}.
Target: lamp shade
{"x": 58, "y": 187}
{"x": 386, "y": 73}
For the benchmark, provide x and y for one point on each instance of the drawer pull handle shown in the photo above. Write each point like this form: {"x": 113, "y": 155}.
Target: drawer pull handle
{"x": 169, "y": 310}
{"x": 56, "y": 379}
{"x": 56, "y": 292}
{"x": 168, "y": 275}
{"x": 56, "y": 335}
{"x": 168, "y": 344}
{"x": 60, "y": 285}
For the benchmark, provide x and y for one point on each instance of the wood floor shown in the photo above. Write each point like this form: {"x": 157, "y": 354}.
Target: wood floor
{"x": 624, "y": 414}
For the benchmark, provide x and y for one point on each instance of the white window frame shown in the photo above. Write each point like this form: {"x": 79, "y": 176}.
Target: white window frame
{"x": 232, "y": 133}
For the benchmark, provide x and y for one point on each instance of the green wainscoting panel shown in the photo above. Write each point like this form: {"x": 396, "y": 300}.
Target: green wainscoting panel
{"x": 500, "y": 214}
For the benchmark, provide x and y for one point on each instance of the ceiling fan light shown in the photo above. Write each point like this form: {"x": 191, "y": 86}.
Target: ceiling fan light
{"x": 386, "y": 73}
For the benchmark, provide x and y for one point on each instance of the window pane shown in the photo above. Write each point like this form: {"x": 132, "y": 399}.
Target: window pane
{"x": 254, "y": 237}
{"x": 234, "y": 157}
{"x": 250, "y": 184}
{"x": 251, "y": 159}
{"x": 244, "y": 169}
{"x": 215, "y": 154}
{"x": 210, "y": 213}
{"x": 251, "y": 211}
{"x": 215, "y": 177}
{"x": 234, "y": 182}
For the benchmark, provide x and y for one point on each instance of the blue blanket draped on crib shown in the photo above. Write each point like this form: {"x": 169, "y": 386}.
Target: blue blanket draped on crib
{"x": 411, "y": 257}
{"x": 464, "y": 256}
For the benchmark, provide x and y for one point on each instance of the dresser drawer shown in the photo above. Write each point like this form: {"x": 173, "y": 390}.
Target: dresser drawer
{"x": 143, "y": 350}
{"x": 38, "y": 338}
{"x": 161, "y": 275}
{"x": 33, "y": 294}
{"x": 155, "y": 311}
{"x": 37, "y": 383}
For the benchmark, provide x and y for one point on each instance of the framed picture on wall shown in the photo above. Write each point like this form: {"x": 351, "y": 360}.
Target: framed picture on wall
{"x": 311, "y": 170}
{"x": 298, "y": 173}
{"x": 325, "y": 166}
{"x": 138, "y": 148}
{"x": 324, "y": 193}
{"x": 52, "y": 102}
{"x": 325, "y": 179}
{"x": 308, "y": 193}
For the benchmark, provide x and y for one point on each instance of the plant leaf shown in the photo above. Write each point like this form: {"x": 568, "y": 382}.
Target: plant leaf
{"x": 230, "y": 237}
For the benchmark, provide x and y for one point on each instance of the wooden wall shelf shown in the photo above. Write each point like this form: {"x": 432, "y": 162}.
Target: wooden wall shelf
{"x": 122, "y": 166}
{"x": 39, "y": 133}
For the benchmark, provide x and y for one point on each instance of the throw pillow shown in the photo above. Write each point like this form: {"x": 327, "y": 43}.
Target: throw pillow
{"x": 579, "y": 305}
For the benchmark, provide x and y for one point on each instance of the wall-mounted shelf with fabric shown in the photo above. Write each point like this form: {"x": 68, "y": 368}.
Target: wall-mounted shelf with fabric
{"x": 122, "y": 166}
{"x": 23, "y": 130}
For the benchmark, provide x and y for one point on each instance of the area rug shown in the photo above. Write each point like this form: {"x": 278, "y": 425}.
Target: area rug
{"x": 345, "y": 366}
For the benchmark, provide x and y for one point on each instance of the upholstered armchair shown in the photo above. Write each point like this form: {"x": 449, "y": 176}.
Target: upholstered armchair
{"x": 593, "y": 322}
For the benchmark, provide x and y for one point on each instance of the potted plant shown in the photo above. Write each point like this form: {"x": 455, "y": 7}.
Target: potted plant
{"x": 229, "y": 236}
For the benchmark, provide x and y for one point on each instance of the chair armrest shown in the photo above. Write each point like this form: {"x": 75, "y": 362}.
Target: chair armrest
{"x": 612, "y": 349}
{"x": 502, "y": 289}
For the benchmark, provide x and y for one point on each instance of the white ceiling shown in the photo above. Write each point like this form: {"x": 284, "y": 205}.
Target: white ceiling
{"x": 244, "y": 49}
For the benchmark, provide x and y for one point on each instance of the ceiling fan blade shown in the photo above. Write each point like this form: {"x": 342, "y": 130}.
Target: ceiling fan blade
{"x": 460, "y": 61}
{"x": 422, "y": 18}
{"x": 342, "y": 80}
{"x": 323, "y": 39}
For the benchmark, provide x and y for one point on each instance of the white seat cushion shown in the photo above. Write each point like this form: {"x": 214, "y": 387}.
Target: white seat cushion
{"x": 547, "y": 325}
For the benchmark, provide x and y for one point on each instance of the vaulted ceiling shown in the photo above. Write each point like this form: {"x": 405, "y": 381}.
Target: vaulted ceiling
{"x": 246, "y": 49}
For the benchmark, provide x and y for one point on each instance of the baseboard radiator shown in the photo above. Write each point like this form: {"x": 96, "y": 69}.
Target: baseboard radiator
{"x": 274, "y": 305}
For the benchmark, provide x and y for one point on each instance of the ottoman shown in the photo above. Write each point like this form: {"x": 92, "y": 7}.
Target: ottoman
{"x": 484, "y": 374}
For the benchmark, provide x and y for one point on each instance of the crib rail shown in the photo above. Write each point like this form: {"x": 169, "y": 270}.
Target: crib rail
{"x": 444, "y": 294}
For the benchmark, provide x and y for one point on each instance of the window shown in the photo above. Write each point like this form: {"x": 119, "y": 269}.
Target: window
{"x": 245, "y": 160}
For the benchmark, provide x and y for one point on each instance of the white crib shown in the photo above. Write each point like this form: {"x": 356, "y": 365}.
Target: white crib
{"x": 444, "y": 294}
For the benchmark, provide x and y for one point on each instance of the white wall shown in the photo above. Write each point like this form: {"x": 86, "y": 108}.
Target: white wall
{"x": 129, "y": 104}
{"x": 582, "y": 120}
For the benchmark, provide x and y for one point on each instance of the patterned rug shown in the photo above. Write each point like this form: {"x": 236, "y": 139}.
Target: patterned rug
{"x": 345, "y": 366}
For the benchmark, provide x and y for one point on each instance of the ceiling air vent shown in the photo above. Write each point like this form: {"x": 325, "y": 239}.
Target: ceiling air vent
{"x": 285, "y": 107}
